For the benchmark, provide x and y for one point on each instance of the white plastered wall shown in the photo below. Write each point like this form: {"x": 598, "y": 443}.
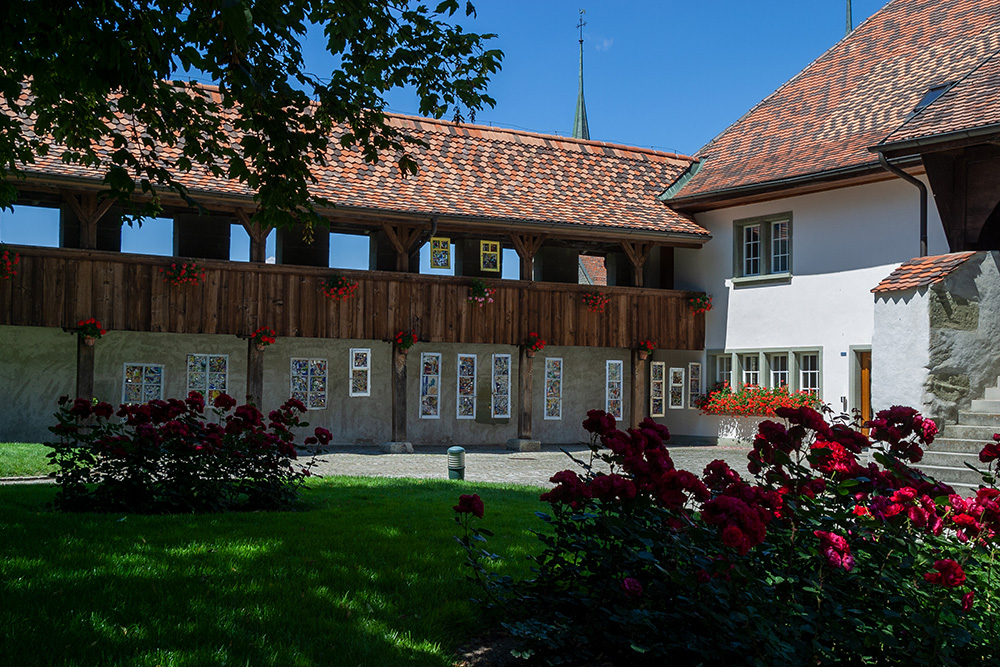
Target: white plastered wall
{"x": 844, "y": 242}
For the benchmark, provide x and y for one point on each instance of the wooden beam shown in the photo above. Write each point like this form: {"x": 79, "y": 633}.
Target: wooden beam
{"x": 88, "y": 211}
{"x": 527, "y": 246}
{"x": 255, "y": 375}
{"x": 525, "y": 402}
{"x": 258, "y": 236}
{"x": 637, "y": 252}
{"x": 84, "y": 369}
{"x": 402, "y": 237}
{"x": 639, "y": 400}
{"x": 398, "y": 394}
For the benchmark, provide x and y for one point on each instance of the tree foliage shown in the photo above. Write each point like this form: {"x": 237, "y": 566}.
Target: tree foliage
{"x": 100, "y": 83}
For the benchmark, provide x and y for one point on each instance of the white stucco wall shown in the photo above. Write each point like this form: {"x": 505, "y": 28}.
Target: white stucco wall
{"x": 844, "y": 242}
{"x": 900, "y": 349}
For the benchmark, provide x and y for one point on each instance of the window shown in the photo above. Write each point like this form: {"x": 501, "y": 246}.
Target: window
{"x": 694, "y": 384}
{"x": 676, "y": 396}
{"x": 724, "y": 369}
{"x": 751, "y": 369}
{"x": 207, "y": 375}
{"x": 809, "y": 373}
{"x": 465, "y": 400}
{"x": 657, "y": 384}
{"x": 142, "y": 383}
{"x": 553, "y": 387}
{"x": 613, "y": 389}
{"x": 500, "y": 406}
{"x": 309, "y": 382}
{"x": 763, "y": 247}
{"x": 361, "y": 371}
{"x": 430, "y": 384}
{"x": 779, "y": 370}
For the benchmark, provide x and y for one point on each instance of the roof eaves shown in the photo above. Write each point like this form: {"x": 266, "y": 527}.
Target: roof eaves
{"x": 912, "y": 145}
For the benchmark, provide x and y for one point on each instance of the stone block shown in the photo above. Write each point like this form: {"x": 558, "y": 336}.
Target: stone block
{"x": 948, "y": 311}
{"x": 398, "y": 447}
{"x": 520, "y": 445}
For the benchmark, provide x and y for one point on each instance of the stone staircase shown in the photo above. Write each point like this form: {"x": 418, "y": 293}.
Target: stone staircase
{"x": 962, "y": 442}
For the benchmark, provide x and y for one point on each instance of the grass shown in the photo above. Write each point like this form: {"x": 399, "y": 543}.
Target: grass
{"x": 366, "y": 573}
{"x": 23, "y": 459}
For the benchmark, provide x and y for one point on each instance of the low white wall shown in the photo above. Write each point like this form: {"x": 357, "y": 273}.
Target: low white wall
{"x": 900, "y": 346}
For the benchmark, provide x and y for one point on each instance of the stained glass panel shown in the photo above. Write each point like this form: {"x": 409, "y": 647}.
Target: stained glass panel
{"x": 430, "y": 378}
{"x": 553, "y": 388}
{"x": 500, "y": 401}
{"x": 466, "y": 396}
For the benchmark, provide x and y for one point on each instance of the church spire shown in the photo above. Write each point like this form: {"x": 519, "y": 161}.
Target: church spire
{"x": 580, "y": 127}
{"x": 850, "y": 21}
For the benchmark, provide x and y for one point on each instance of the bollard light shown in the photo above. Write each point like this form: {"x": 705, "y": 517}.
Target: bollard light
{"x": 456, "y": 463}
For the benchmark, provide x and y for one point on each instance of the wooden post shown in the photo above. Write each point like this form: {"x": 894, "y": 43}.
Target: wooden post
{"x": 258, "y": 236}
{"x": 255, "y": 375}
{"x": 398, "y": 394}
{"x": 524, "y": 388}
{"x": 527, "y": 246}
{"x": 88, "y": 211}
{"x": 638, "y": 399}
{"x": 84, "y": 369}
{"x": 637, "y": 252}
{"x": 403, "y": 238}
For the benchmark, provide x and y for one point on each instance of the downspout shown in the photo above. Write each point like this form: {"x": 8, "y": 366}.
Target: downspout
{"x": 923, "y": 198}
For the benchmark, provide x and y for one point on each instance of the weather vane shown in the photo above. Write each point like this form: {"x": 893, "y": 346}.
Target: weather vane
{"x": 581, "y": 24}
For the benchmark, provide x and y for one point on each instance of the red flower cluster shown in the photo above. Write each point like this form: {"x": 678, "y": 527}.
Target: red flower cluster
{"x": 8, "y": 263}
{"x": 753, "y": 400}
{"x": 91, "y": 328}
{"x": 406, "y": 339}
{"x": 632, "y": 587}
{"x": 700, "y": 304}
{"x": 596, "y": 302}
{"x": 534, "y": 342}
{"x": 470, "y": 504}
{"x": 991, "y": 452}
{"x": 339, "y": 288}
{"x": 949, "y": 574}
{"x": 181, "y": 274}
{"x": 742, "y": 513}
{"x": 264, "y": 336}
{"x": 836, "y": 550}
{"x": 646, "y": 346}
{"x": 895, "y": 427}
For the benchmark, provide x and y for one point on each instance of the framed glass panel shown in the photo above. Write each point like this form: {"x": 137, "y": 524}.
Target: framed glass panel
{"x": 208, "y": 374}
{"x": 553, "y": 387}
{"x": 751, "y": 250}
{"x": 724, "y": 369}
{"x": 430, "y": 385}
{"x": 361, "y": 372}
{"x": 465, "y": 398}
{"x": 676, "y": 388}
{"x": 613, "y": 400}
{"x": 657, "y": 388}
{"x": 751, "y": 369}
{"x": 440, "y": 253}
{"x": 500, "y": 399}
{"x": 809, "y": 373}
{"x": 779, "y": 370}
{"x": 489, "y": 256}
{"x": 694, "y": 383}
{"x": 779, "y": 247}
{"x": 309, "y": 378}
{"x": 142, "y": 383}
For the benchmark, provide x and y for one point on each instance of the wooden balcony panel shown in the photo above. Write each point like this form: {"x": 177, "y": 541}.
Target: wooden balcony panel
{"x": 57, "y": 287}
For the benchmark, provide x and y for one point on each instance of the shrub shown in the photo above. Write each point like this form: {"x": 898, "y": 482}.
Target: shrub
{"x": 162, "y": 456}
{"x": 821, "y": 559}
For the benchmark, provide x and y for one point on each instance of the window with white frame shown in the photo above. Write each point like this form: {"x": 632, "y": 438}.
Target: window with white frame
{"x": 142, "y": 383}
{"x": 309, "y": 378}
{"x": 613, "y": 389}
{"x": 694, "y": 383}
{"x": 724, "y": 369}
{"x": 208, "y": 375}
{"x": 465, "y": 401}
{"x": 762, "y": 246}
{"x": 751, "y": 369}
{"x": 500, "y": 400}
{"x": 657, "y": 388}
{"x": 779, "y": 370}
{"x": 675, "y": 396}
{"x": 553, "y": 387}
{"x": 809, "y": 373}
{"x": 361, "y": 371}
{"x": 430, "y": 385}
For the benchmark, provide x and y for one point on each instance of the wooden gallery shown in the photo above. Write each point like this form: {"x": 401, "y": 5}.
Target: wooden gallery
{"x": 473, "y": 374}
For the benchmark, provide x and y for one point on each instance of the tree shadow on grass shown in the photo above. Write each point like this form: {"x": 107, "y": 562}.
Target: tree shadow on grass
{"x": 368, "y": 574}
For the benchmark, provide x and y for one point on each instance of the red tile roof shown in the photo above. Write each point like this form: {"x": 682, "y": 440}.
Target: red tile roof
{"x": 825, "y": 118}
{"x": 595, "y": 268}
{"x": 921, "y": 271}
{"x": 973, "y": 102}
{"x": 487, "y": 173}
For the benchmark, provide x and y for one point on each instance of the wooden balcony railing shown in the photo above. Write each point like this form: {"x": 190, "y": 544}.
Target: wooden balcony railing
{"x": 56, "y": 287}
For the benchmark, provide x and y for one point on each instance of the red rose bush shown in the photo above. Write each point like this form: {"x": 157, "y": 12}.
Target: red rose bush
{"x": 836, "y": 551}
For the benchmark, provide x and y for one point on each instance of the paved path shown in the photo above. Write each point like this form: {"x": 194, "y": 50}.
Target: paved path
{"x": 498, "y": 465}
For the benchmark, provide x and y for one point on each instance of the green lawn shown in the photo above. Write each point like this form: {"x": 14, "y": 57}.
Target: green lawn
{"x": 23, "y": 459}
{"x": 366, "y": 573}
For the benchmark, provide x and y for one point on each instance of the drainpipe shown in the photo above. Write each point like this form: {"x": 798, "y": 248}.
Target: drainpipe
{"x": 923, "y": 199}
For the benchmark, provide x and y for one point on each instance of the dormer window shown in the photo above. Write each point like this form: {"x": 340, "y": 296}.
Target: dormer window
{"x": 932, "y": 94}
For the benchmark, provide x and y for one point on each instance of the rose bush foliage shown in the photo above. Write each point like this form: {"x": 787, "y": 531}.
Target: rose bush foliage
{"x": 164, "y": 456}
{"x": 837, "y": 551}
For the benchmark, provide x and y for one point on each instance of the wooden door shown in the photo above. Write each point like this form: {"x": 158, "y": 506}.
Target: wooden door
{"x": 865, "y": 361}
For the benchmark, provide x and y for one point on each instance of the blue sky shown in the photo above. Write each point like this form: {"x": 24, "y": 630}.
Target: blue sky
{"x": 665, "y": 74}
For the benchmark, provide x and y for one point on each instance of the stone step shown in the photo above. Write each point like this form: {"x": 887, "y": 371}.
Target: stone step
{"x": 980, "y": 419}
{"x": 949, "y": 459}
{"x": 983, "y": 405}
{"x": 992, "y": 394}
{"x": 952, "y": 475}
{"x": 968, "y": 432}
{"x": 959, "y": 445}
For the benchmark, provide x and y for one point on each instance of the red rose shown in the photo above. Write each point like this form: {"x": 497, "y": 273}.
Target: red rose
{"x": 949, "y": 574}
{"x": 632, "y": 587}
{"x": 470, "y": 505}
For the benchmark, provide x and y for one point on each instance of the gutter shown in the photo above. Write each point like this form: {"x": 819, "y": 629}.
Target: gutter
{"x": 933, "y": 140}
{"x": 923, "y": 198}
